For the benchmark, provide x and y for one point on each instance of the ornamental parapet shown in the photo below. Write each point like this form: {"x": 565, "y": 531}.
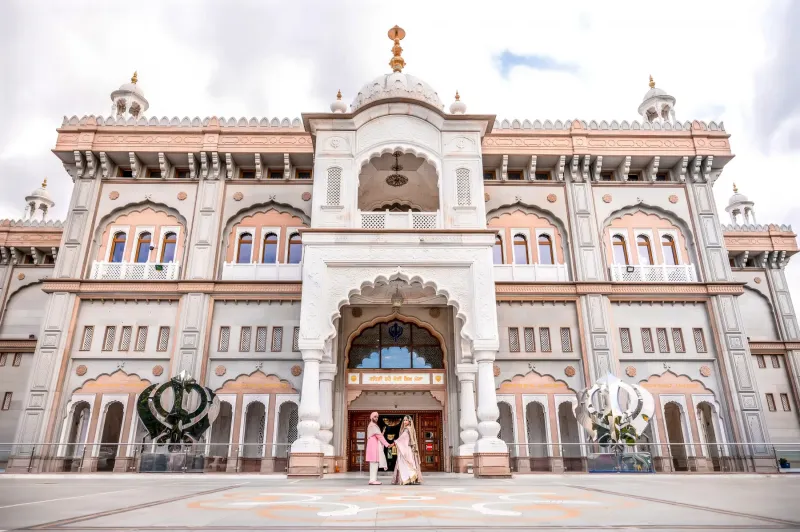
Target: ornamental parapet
{"x": 615, "y": 291}
{"x": 760, "y": 245}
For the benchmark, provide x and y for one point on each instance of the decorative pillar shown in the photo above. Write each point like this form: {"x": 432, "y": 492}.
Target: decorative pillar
{"x": 491, "y": 453}
{"x": 306, "y": 454}
{"x": 468, "y": 421}
{"x": 325, "y": 434}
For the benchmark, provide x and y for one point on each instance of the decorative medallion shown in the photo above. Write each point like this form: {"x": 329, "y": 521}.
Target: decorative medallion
{"x": 757, "y": 280}
{"x": 306, "y": 196}
{"x": 296, "y": 371}
{"x": 395, "y": 330}
{"x": 80, "y": 371}
{"x": 673, "y": 199}
{"x": 435, "y": 312}
{"x": 607, "y": 198}
{"x": 113, "y": 195}
{"x": 551, "y": 198}
{"x": 21, "y": 276}
{"x": 569, "y": 371}
{"x": 334, "y": 143}
{"x": 496, "y": 370}
{"x": 220, "y": 370}
{"x": 630, "y": 371}
{"x": 238, "y": 196}
{"x": 486, "y": 196}
{"x": 705, "y": 371}
{"x": 396, "y": 179}
{"x": 437, "y": 379}
{"x": 356, "y": 312}
{"x": 181, "y": 195}
{"x": 158, "y": 370}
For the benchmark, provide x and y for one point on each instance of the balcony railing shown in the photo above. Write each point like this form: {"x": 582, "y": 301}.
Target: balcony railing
{"x": 232, "y": 271}
{"x": 659, "y": 273}
{"x": 399, "y": 220}
{"x": 135, "y": 271}
{"x": 528, "y": 273}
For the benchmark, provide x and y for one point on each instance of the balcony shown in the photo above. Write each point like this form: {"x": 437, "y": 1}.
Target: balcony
{"x": 135, "y": 271}
{"x": 528, "y": 273}
{"x": 232, "y": 271}
{"x": 659, "y": 273}
{"x": 399, "y": 220}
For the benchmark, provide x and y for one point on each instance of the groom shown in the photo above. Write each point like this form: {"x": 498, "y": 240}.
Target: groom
{"x": 375, "y": 455}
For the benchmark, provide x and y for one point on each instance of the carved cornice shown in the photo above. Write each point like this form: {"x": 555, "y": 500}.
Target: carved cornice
{"x": 90, "y": 289}
{"x": 615, "y": 291}
{"x": 769, "y": 238}
{"x": 773, "y": 346}
{"x": 19, "y": 346}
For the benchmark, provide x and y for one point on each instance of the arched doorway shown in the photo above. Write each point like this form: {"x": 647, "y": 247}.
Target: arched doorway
{"x": 673, "y": 418}
{"x": 570, "y": 438}
{"x": 253, "y": 442}
{"x": 536, "y": 427}
{"x": 109, "y": 439}
{"x": 287, "y": 434}
{"x": 705, "y": 419}
{"x": 221, "y": 431}
{"x": 76, "y": 436}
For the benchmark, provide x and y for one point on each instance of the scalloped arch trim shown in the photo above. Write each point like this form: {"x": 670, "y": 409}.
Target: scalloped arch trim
{"x": 671, "y": 382}
{"x": 256, "y": 382}
{"x": 533, "y": 382}
{"x": 116, "y": 382}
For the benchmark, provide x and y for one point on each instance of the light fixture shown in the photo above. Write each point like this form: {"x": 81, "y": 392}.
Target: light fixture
{"x": 396, "y": 179}
{"x": 630, "y": 269}
{"x": 397, "y": 299}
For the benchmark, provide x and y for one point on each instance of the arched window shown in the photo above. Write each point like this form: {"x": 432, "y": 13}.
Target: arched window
{"x": 645, "y": 252}
{"x": 669, "y": 251}
{"x": 497, "y": 251}
{"x": 396, "y": 345}
{"x": 143, "y": 247}
{"x": 295, "y": 249}
{"x": 620, "y": 251}
{"x": 117, "y": 247}
{"x": 245, "y": 248}
{"x": 545, "y": 249}
{"x": 168, "y": 247}
{"x": 520, "y": 249}
{"x": 269, "y": 255}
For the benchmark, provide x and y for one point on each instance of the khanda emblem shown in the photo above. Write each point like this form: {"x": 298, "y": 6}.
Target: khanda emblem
{"x": 177, "y": 425}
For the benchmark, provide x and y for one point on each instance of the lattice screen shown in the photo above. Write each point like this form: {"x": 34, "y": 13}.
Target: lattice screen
{"x": 699, "y": 340}
{"x": 771, "y": 402}
{"x": 296, "y": 340}
{"x": 261, "y": 339}
{"x": 373, "y": 220}
{"x": 86, "y": 341}
{"x": 544, "y": 339}
{"x": 530, "y": 342}
{"x": 334, "y": 196}
{"x": 677, "y": 341}
{"x": 513, "y": 339}
{"x": 625, "y": 340}
{"x": 141, "y": 339}
{"x": 108, "y": 338}
{"x": 776, "y": 362}
{"x": 761, "y": 362}
{"x": 163, "y": 339}
{"x": 244, "y": 339}
{"x": 663, "y": 343}
{"x": 785, "y": 402}
{"x": 421, "y": 220}
{"x": 566, "y": 340}
{"x": 647, "y": 340}
{"x": 463, "y": 187}
{"x": 224, "y": 338}
{"x": 125, "y": 338}
{"x": 291, "y": 433}
{"x": 277, "y": 338}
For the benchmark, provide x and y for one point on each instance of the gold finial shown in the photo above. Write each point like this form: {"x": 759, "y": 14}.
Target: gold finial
{"x": 652, "y": 83}
{"x": 44, "y": 183}
{"x": 135, "y": 77}
{"x": 457, "y": 96}
{"x": 735, "y": 189}
{"x": 397, "y": 34}
{"x": 339, "y": 95}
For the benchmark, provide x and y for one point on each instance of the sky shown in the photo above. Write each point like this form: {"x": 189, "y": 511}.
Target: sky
{"x": 725, "y": 61}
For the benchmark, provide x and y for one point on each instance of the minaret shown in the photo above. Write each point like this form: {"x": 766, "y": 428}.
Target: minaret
{"x": 657, "y": 106}
{"x": 740, "y": 205}
{"x": 129, "y": 100}
{"x": 37, "y": 204}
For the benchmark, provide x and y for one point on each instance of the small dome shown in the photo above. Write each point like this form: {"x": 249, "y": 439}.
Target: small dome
{"x": 41, "y": 192}
{"x": 396, "y": 85}
{"x": 458, "y": 107}
{"x": 654, "y": 93}
{"x": 338, "y": 106}
{"x": 131, "y": 87}
{"x": 737, "y": 197}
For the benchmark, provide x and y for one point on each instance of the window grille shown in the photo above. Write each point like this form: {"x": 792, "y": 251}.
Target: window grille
{"x": 7, "y": 401}
{"x": 108, "y": 338}
{"x": 625, "y": 340}
{"x": 776, "y": 361}
{"x": 296, "y": 340}
{"x": 530, "y": 342}
{"x": 244, "y": 339}
{"x": 771, "y": 402}
{"x": 3, "y": 358}
{"x": 699, "y": 340}
{"x": 566, "y": 340}
{"x": 663, "y": 343}
{"x": 86, "y": 342}
{"x": 163, "y": 339}
{"x": 261, "y": 339}
{"x": 513, "y": 339}
{"x": 647, "y": 340}
{"x": 224, "y": 339}
{"x": 677, "y": 340}
{"x": 462, "y": 187}
{"x": 761, "y": 362}
{"x": 291, "y": 434}
{"x": 17, "y": 359}
{"x": 334, "y": 195}
{"x": 544, "y": 339}
{"x": 785, "y": 402}
{"x": 125, "y": 338}
{"x": 277, "y": 338}
{"x": 141, "y": 338}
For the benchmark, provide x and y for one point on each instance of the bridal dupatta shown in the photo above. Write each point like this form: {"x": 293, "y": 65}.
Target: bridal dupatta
{"x": 407, "y": 468}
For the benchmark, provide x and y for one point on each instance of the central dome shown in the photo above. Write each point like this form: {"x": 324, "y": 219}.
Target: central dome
{"x": 396, "y": 85}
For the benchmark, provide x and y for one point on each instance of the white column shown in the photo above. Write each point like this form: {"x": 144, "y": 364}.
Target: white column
{"x": 325, "y": 435}
{"x": 308, "y": 427}
{"x": 469, "y": 421}
{"x": 488, "y": 412}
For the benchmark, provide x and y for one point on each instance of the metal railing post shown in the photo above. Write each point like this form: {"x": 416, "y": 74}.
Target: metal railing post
{"x": 30, "y": 461}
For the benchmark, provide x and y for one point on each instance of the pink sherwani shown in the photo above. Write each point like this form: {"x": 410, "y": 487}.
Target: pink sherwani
{"x": 374, "y": 441}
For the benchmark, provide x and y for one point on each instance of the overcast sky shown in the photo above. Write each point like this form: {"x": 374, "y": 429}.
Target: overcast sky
{"x": 722, "y": 60}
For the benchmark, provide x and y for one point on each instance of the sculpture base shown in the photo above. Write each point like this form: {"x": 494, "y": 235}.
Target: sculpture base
{"x": 620, "y": 463}
{"x": 491, "y": 465}
{"x": 306, "y": 465}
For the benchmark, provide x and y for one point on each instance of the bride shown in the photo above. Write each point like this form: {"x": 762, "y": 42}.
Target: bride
{"x": 407, "y": 468}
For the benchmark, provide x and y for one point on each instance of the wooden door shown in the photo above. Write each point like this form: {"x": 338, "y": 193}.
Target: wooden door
{"x": 429, "y": 436}
{"x": 357, "y": 441}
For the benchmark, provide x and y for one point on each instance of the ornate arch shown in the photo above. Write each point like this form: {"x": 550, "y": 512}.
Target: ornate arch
{"x": 405, "y": 148}
{"x": 256, "y": 208}
{"x": 545, "y": 214}
{"x": 514, "y": 384}
{"x": 255, "y": 382}
{"x": 656, "y": 378}
{"x": 117, "y": 382}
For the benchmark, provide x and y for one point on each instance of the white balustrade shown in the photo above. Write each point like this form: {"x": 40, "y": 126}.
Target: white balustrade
{"x": 527, "y": 273}
{"x": 658, "y": 273}
{"x": 232, "y": 271}
{"x": 399, "y": 220}
{"x": 135, "y": 271}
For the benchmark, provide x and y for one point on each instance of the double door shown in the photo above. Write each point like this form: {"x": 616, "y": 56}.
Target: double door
{"x": 429, "y": 437}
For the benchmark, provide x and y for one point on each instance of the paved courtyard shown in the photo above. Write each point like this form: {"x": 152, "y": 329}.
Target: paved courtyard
{"x": 444, "y": 502}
